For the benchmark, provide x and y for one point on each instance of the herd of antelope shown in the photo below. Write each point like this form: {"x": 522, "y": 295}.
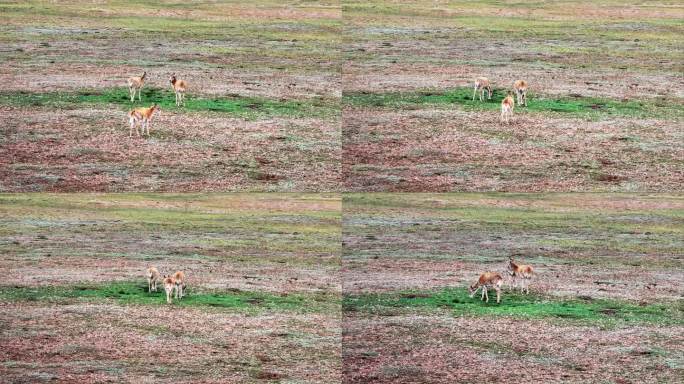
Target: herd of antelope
{"x": 175, "y": 282}
{"x": 142, "y": 116}
{"x": 492, "y": 280}
{"x": 507, "y": 104}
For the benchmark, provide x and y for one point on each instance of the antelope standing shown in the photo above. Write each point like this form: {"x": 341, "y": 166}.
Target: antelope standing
{"x": 179, "y": 87}
{"x": 522, "y": 272}
{"x": 169, "y": 285}
{"x": 520, "y": 88}
{"x": 152, "y": 278}
{"x": 142, "y": 117}
{"x": 179, "y": 281}
{"x": 507, "y": 106}
{"x": 135, "y": 84}
{"x": 482, "y": 84}
{"x": 487, "y": 280}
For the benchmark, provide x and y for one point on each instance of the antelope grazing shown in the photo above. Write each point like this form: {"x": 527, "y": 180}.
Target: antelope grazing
{"x": 487, "y": 280}
{"x": 507, "y": 106}
{"x": 523, "y": 272}
{"x": 142, "y": 117}
{"x": 482, "y": 84}
{"x": 520, "y": 88}
{"x": 179, "y": 281}
{"x": 169, "y": 286}
{"x": 136, "y": 84}
{"x": 152, "y": 278}
{"x": 179, "y": 87}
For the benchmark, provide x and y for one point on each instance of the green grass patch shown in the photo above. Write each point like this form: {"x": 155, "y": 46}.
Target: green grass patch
{"x": 246, "y": 107}
{"x": 131, "y": 293}
{"x": 586, "y": 310}
{"x": 588, "y": 107}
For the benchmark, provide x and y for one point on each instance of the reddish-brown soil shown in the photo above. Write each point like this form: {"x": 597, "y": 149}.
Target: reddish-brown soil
{"x": 89, "y": 150}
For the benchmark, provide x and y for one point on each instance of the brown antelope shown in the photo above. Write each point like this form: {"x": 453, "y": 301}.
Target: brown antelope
{"x": 142, "y": 117}
{"x": 152, "y": 278}
{"x": 507, "y": 106}
{"x": 179, "y": 280}
{"x": 169, "y": 285}
{"x": 487, "y": 280}
{"x": 482, "y": 84}
{"x": 136, "y": 84}
{"x": 520, "y": 88}
{"x": 522, "y": 272}
{"x": 179, "y": 87}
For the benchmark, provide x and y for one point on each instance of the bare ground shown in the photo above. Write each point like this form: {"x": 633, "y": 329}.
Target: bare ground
{"x": 430, "y": 349}
{"x": 89, "y": 150}
{"x": 443, "y": 150}
{"x": 110, "y": 343}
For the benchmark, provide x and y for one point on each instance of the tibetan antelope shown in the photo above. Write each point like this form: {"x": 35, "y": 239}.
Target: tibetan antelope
{"x": 179, "y": 87}
{"x": 152, "y": 278}
{"x": 487, "y": 280}
{"x": 507, "y": 106}
{"x": 482, "y": 84}
{"x": 179, "y": 281}
{"x": 520, "y": 88}
{"x": 520, "y": 272}
{"x": 142, "y": 117}
{"x": 169, "y": 286}
{"x": 136, "y": 84}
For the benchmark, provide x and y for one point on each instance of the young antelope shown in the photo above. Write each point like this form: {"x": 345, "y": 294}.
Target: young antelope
{"x": 142, "y": 117}
{"x": 135, "y": 84}
{"x": 179, "y": 280}
{"x": 520, "y": 272}
{"x": 179, "y": 87}
{"x": 482, "y": 84}
{"x": 520, "y": 88}
{"x": 152, "y": 278}
{"x": 169, "y": 285}
{"x": 507, "y": 106}
{"x": 487, "y": 280}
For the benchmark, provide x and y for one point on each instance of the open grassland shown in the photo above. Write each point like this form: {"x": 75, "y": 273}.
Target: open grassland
{"x": 263, "y": 288}
{"x": 262, "y": 109}
{"x": 604, "y": 105}
{"x": 606, "y": 304}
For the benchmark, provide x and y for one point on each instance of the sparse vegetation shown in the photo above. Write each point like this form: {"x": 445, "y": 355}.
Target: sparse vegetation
{"x": 262, "y": 290}
{"x": 255, "y": 73}
{"x": 600, "y": 81}
{"x": 607, "y": 286}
